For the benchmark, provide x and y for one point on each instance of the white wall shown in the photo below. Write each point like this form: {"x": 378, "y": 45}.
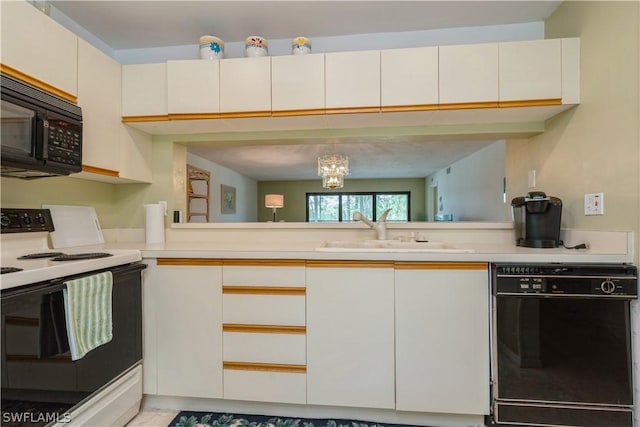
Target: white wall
{"x": 472, "y": 189}
{"x": 449, "y": 36}
{"x": 246, "y": 191}
{"x": 235, "y": 49}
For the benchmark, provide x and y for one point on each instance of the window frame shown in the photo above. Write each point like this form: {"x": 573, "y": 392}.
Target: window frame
{"x": 341, "y": 194}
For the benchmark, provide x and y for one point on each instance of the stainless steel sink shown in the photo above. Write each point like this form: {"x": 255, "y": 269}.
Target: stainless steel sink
{"x": 389, "y": 246}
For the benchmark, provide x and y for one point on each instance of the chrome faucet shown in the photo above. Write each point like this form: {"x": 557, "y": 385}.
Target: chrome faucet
{"x": 380, "y": 227}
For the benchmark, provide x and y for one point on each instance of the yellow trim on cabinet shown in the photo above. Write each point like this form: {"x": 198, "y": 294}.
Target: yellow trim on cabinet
{"x": 348, "y": 264}
{"x": 100, "y": 171}
{"x": 142, "y": 119}
{"x": 351, "y": 110}
{"x": 189, "y": 261}
{"x": 264, "y": 262}
{"x": 468, "y": 105}
{"x": 427, "y": 265}
{"x": 270, "y": 367}
{"x": 264, "y": 329}
{"x": 309, "y": 112}
{"x": 245, "y": 114}
{"x": 193, "y": 116}
{"x": 530, "y": 103}
{"x": 263, "y": 290}
{"x": 409, "y": 108}
{"x": 37, "y": 83}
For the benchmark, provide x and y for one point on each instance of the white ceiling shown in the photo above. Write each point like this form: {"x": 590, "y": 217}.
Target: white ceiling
{"x": 148, "y": 24}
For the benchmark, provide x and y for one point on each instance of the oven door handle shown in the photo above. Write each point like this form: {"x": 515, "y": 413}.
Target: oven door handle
{"x": 56, "y": 285}
{"x": 122, "y": 269}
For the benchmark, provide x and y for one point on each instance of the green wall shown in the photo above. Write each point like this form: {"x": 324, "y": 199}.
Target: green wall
{"x": 17, "y": 193}
{"x": 294, "y": 192}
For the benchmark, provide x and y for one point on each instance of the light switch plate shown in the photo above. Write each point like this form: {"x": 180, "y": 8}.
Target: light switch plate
{"x": 594, "y": 204}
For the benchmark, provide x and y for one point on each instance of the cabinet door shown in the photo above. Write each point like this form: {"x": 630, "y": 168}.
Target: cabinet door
{"x": 245, "y": 85}
{"x": 468, "y": 73}
{"x": 297, "y": 82}
{"x": 350, "y": 337}
{"x": 409, "y": 76}
{"x": 144, "y": 90}
{"x": 99, "y": 94}
{"x": 352, "y": 79}
{"x": 39, "y": 47}
{"x": 187, "y": 329}
{"x": 193, "y": 86}
{"x": 530, "y": 70}
{"x": 442, "y": 338}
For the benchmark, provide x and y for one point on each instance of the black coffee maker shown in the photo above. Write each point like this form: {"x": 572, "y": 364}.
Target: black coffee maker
{"x": 537, "y": 220}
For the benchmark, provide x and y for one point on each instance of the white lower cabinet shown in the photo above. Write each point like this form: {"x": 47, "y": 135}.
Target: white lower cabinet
{"x": 183, "y": 329}
{"x": 264, "y": 330}
{"x": 350, "y": 334}
{"x": 442, "y": 337}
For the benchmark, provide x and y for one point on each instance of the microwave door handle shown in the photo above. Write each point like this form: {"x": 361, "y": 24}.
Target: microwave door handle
{"x": 42, "y": 134}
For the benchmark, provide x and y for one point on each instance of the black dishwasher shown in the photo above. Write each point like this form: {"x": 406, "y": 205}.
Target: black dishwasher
{"x": 561, "y": 344}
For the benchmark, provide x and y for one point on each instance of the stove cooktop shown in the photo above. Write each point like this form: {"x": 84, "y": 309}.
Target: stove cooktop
{"x": 27, "y": 257}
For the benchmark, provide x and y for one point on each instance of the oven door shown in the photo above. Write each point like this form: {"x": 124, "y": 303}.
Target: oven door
{"x": 562, "y": 360}
{"x": 38, "y": 374}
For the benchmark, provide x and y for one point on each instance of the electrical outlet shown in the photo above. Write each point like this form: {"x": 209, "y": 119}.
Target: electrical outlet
{"x": 594, "y": 204}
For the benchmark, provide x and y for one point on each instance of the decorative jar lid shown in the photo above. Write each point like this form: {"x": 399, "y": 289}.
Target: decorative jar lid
{"x": 256, "y": 41}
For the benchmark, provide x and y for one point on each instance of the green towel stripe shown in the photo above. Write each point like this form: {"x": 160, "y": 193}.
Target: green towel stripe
{"x": 89, "y": 312}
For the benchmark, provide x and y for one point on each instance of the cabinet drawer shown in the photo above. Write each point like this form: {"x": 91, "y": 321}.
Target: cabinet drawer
{"x": 263, "y": 309}
{"x": 265, "y": 347}
{"x": 253, "y": 275}
{"x": 265, "y": 386}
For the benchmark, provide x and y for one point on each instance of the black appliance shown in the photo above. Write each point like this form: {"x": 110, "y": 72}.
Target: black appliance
{"x": 41, "y": 133}
{"x": 561, "y": 344}
{"x": 537, "y": 220}
{"x": 38, "y": 376}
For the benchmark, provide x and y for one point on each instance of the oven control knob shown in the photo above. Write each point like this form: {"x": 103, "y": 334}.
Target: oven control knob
{"x": 26, "y": 219}
{"x": 608, "y": 287}
{"x": 5, "y": 221}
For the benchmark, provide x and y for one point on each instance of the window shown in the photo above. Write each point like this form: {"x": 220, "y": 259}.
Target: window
{"x": 332, "y": 207}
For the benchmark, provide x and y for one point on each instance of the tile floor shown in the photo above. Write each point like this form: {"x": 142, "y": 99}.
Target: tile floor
{"x": 153, "y": 418}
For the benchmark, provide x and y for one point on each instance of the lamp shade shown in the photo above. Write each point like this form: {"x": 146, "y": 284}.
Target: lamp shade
{"x": 273, "y": 200}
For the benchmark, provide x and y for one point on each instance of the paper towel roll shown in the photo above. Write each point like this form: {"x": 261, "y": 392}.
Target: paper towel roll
{"x": 154, "y": 223}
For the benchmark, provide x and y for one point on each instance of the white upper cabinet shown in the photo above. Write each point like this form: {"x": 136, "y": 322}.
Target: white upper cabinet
{"x": 468, "y": 73}
{"x": 111, "y": 151}
{"x": 409, "y": 77}
{"x": 571, "y": 70}
{"x": 99, "y": 95}
{"x": 245, "y": 85}
{"x": 193, "y": 86}
{"x": 40, "y": 48}
{"x": 144, "y": 90}
{"x": 297, "y": 82}
{"x": 352, "y": 79}
{"x": 530, "y": 70}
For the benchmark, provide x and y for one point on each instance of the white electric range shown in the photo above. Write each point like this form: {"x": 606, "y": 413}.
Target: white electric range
{"x": 25, "y": 234}
{"x": 41, "y": 383}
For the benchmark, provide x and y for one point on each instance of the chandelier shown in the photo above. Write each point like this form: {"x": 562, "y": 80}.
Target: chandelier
{"x": 332, "y": 168}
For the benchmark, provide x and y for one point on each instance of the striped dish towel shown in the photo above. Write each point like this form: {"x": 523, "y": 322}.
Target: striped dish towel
{"x": 88, "y": 313}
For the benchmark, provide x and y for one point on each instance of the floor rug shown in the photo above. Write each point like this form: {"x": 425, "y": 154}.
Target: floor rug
{"x": 216, "y": 419}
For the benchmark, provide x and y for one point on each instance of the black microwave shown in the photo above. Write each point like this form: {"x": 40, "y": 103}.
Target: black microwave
{"x": 41, "y": 133}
